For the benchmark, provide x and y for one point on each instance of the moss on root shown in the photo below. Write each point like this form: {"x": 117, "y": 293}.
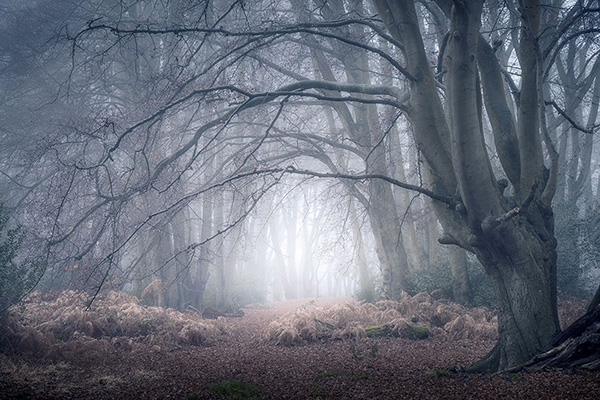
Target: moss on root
{"x": 381, "y": 331}
{"x": 415, "y": 331}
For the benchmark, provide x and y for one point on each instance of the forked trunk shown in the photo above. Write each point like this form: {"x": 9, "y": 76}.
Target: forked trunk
{"x": 516, "y": 246}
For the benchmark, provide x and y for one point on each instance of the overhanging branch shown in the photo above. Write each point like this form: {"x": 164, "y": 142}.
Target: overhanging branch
{"x": 573, "y": 123}
{"x": 435, "y": 196}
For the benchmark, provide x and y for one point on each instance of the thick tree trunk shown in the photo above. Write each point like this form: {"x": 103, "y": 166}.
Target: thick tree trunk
{"x": 520, "y": 259}
{"x": 516, "y": 247}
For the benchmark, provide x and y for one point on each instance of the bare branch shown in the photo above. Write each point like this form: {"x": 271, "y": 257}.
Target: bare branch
{"x": 435, "y": 196}
{"x": 573, "y": 123}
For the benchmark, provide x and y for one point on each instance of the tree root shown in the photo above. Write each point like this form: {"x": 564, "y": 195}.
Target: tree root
{"x": 578, "y": 346}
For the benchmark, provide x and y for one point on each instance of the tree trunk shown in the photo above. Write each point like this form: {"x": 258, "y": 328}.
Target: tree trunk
{"x": 281, "y": 275}
{"x": 363, "y": 127}
{"x": 520, "y": 259}
{"x": 578, "y": 346}
{"x": 595, "y": 300}
{"x": 366, "y": 287}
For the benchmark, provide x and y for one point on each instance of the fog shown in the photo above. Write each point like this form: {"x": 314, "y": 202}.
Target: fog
{"x": 209, "y": 158}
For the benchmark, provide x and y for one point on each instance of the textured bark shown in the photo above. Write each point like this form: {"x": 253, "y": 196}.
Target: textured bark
{"x": 520, "y": 259}
{"x": 578, "y": 346}
{"x": 431, "y": 131}
{"x": 528, "y": 129}
{"x": 499, "y": 113}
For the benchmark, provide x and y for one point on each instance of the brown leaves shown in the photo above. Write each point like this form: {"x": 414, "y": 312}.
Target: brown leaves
{"x": 369, "y": 368}
{"x": 64, "y": 328}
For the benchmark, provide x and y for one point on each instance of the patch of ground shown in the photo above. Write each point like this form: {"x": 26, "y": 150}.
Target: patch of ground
{"x": 241, "y": 364}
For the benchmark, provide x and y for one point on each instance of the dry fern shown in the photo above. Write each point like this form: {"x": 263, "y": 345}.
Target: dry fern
{"x": 349, "y": 320}
{"x": 65, "y": 328}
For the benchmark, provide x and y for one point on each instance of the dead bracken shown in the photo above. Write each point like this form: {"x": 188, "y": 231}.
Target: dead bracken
{"x": 64, "y": 327}
{"x": 413, "y": 317}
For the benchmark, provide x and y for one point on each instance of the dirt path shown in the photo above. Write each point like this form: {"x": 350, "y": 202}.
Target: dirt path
{"x": 374, "y": 368}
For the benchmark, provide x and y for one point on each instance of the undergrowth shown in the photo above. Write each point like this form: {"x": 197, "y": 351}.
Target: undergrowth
{"x": 413, "y": 317}
{"x": 66, "y": 328}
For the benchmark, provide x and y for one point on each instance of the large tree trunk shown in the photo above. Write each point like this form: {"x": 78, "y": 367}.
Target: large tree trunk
{"x": 521, "y": 263}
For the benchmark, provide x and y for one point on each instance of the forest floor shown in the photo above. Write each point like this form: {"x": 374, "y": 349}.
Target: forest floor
{"x": 241, "y": 365}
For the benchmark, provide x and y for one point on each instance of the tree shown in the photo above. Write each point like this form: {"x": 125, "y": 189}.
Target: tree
{"x": 516, "y": 245}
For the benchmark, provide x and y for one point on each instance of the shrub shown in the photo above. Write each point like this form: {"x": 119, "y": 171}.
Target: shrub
{"x": 429, "y": 278}
{"x": 384, "y": 318}
{"x": 17, "y": 277}
{"x": 65, "y": 328}
{"x": 232, "y": 388}
{"x": 481, "y": 287}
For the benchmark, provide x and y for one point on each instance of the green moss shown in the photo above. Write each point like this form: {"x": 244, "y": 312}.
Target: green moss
{"x": 417, "y": 331}
{"x": 317, "y": 391}
{"x": 234, "y": 389}
{"x": 381, "y": 331}
{"x": 438, "y": 373}
{"x": 359, "y": 377}
{"x": 329, "y": 374}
